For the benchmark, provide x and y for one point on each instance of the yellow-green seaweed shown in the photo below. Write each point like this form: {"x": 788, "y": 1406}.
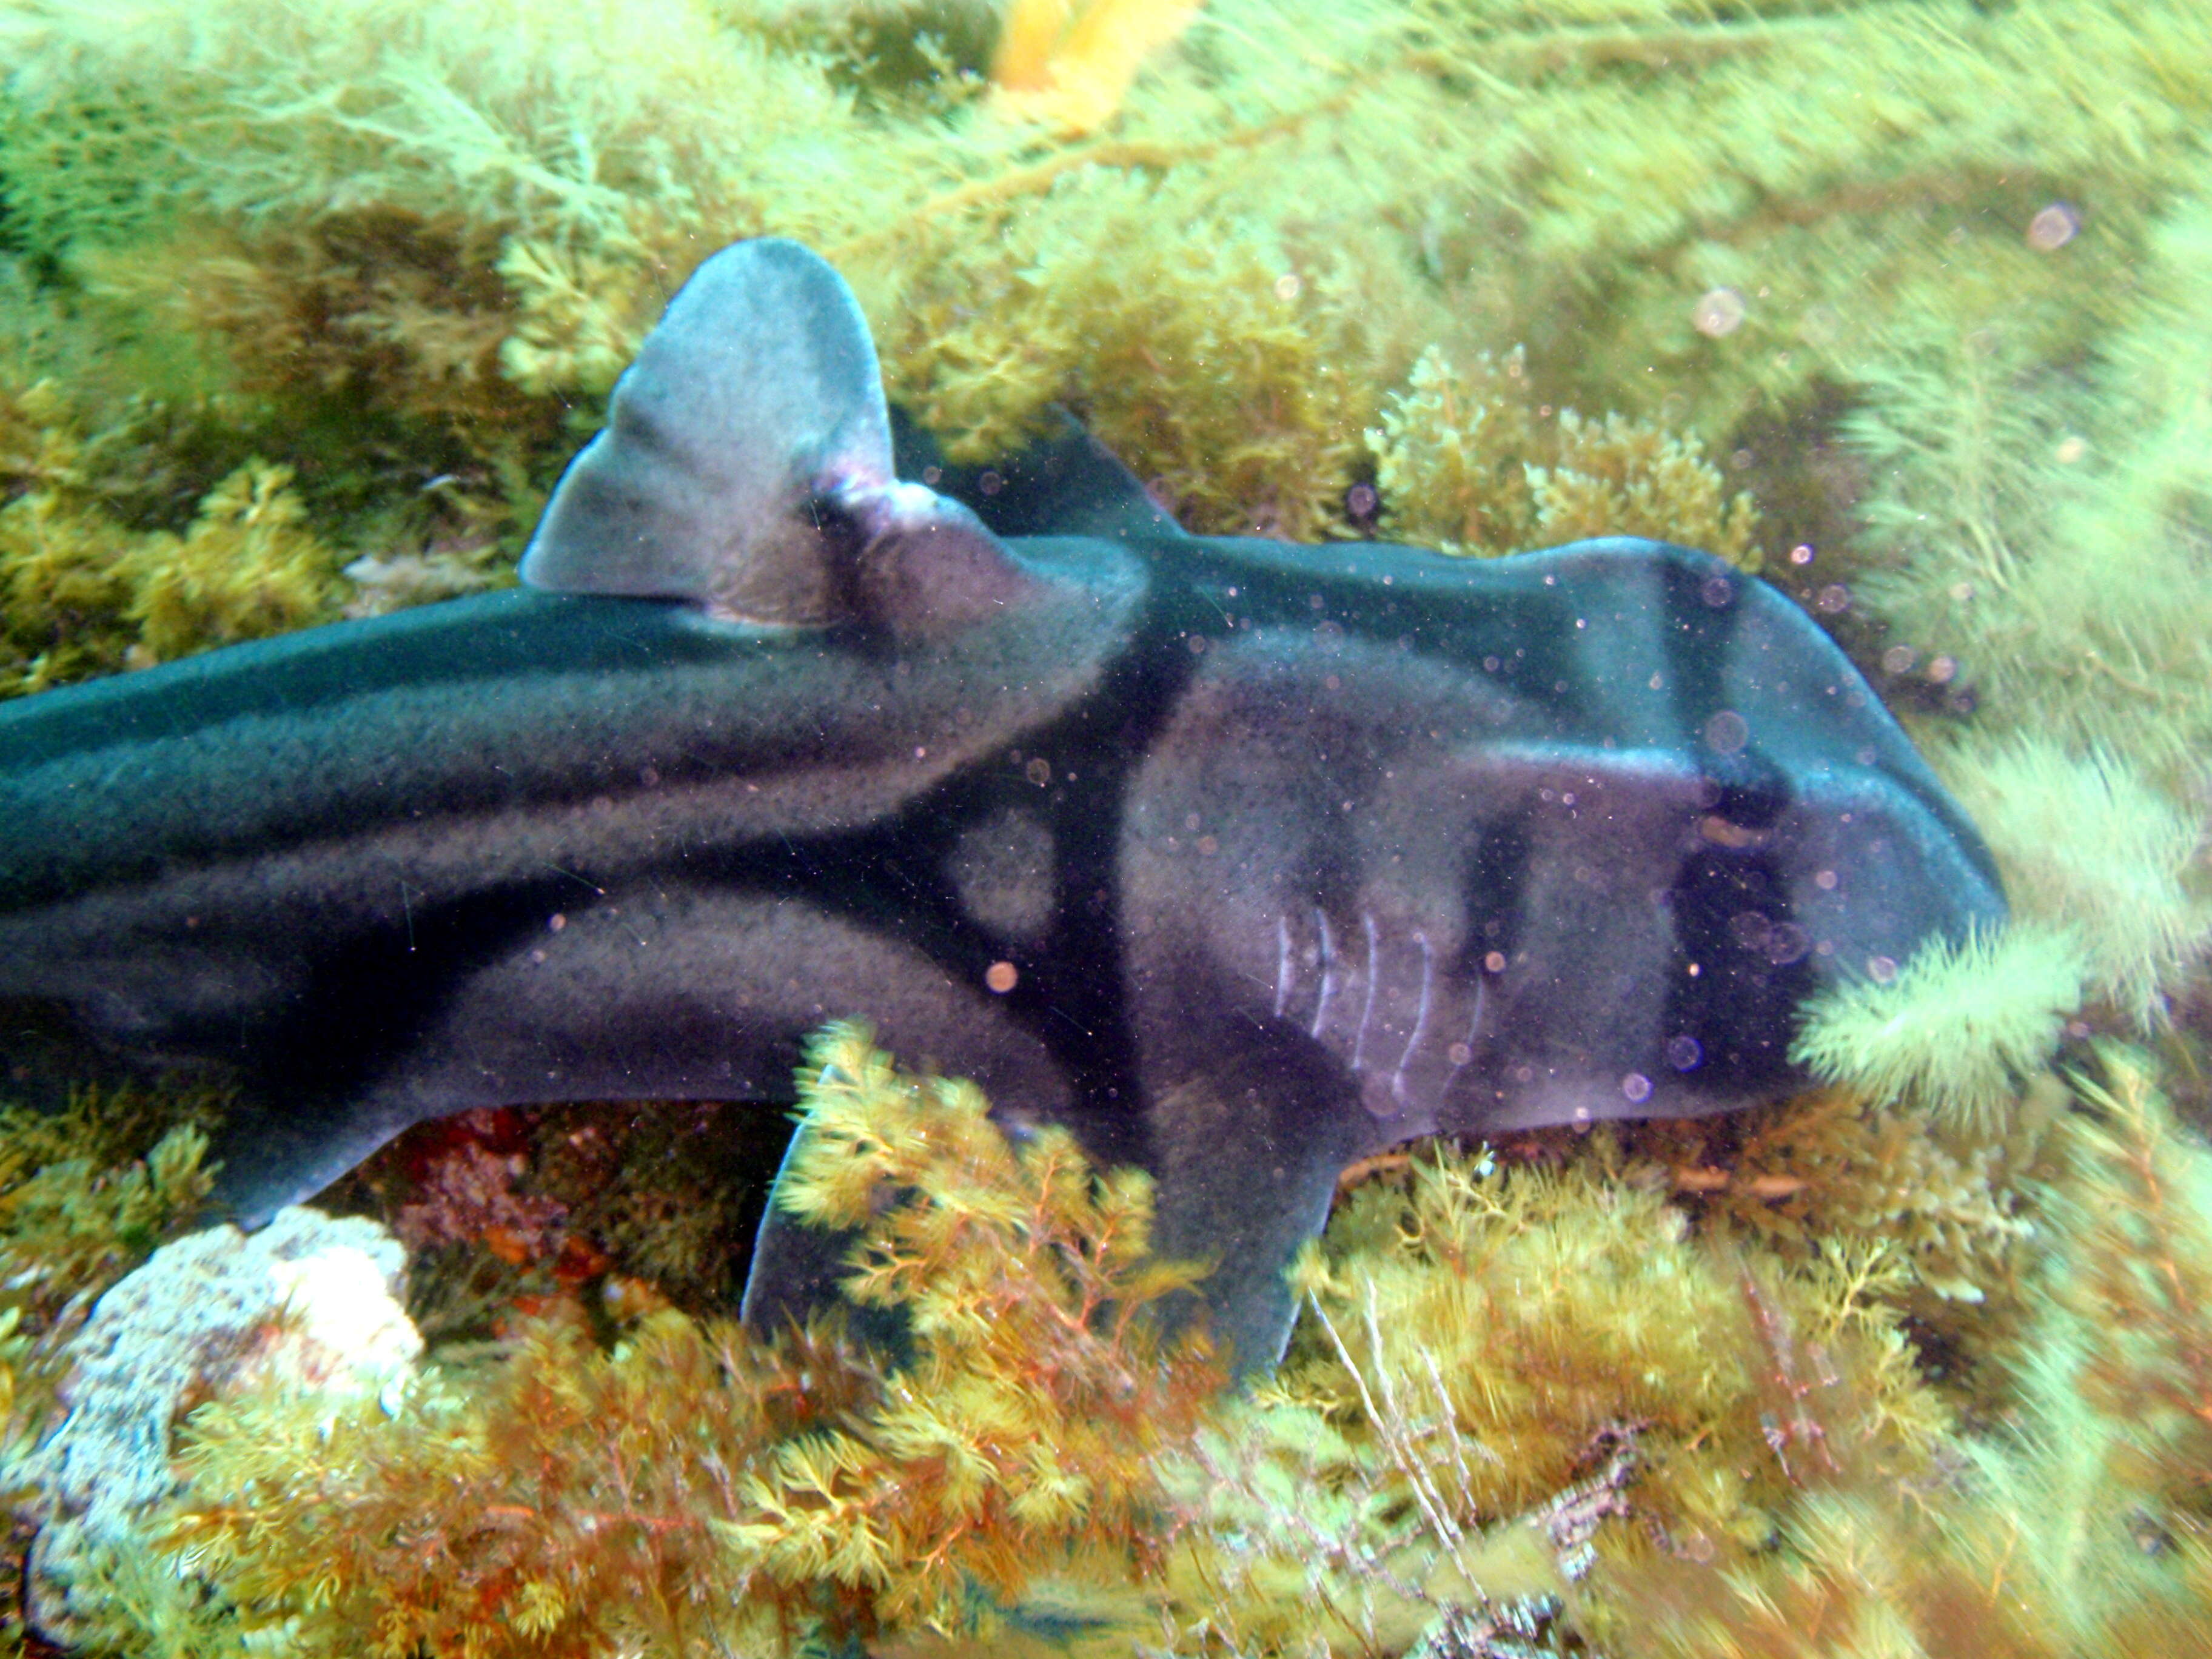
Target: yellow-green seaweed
{"x": 287, "y": 293}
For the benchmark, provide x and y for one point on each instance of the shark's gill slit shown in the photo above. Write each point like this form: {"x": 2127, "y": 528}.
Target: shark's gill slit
{"x": 1367, "y": 1009}
{"x": 1328, "y": 971}
{"x": 1420, "y": 1019}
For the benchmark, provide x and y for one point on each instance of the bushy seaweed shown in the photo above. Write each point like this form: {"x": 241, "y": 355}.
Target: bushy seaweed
{"x": 302, "y": 310}
{"x": 697, "y": 1483}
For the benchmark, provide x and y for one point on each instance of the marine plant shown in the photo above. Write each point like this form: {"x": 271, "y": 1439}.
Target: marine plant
{"x": 87, "y": 1191}
{"x": 697, "y": 1483}
{"x": 86, "y": 592}
{"x": 288, "y": 293}
{"x": 1532, "y": 1401}
{"x": 1469, "y": 464}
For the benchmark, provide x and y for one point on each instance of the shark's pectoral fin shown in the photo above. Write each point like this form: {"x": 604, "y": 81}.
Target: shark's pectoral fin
{"x": 1250, "y": 1129}
{"x": 746, "y": 466}
{"x": 798, "y": 1268}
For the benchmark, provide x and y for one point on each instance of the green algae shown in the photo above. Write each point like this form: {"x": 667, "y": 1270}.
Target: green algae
{"x": 301, "y": 311}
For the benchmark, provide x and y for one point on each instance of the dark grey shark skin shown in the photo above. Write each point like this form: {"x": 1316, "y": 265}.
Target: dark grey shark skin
{"x": 1295, "y": 852}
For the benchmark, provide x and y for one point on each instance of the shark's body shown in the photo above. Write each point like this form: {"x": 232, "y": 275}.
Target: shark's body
{"x": 1242, "y": 859}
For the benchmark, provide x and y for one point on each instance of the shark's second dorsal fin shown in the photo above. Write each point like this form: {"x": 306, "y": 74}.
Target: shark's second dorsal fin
{"x": 745, "y": 466}
{"x": 1064, "y": 483}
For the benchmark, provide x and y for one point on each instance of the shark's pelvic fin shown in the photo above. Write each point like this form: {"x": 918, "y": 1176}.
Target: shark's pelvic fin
{"x": 745, "y": 466}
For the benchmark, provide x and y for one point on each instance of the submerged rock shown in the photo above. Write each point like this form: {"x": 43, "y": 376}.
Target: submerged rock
{"x": 308, "y": 1303}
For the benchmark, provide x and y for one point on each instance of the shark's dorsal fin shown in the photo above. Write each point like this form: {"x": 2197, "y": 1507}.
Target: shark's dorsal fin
{"x": 1064, "y": 483}
{"x": 745, "y": 466}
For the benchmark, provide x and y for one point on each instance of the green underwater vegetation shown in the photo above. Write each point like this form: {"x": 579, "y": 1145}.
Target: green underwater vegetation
{"x": 1906, "y": 303}
{"x": 1535, "y": 1403}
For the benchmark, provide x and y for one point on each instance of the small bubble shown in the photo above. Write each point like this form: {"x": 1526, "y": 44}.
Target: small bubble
{"x": 1207, "y": 846}
{"x": 1637, "y": 1087}
{"x": 1190, "y": 822}
{"x": 556, "y": 922}
{"x": 1490, "y": 665}
{"x": 1751, "y": 929}
{"x": 1495, "y": 961}
{"x": 1801, "y": 554}
{"x": 1833, "y": 599}
{"x": 1288, "y": 286}
{"x": 1459, "y": 1054}
{"x": 1943, "y": 669}
{"x": 1362, "y": 503}
{"x": 1826, "y": 881}
{"x": 1726, "y": 733}
{"x": 1787, "y": 943}
{"x": 1333, "y": 684}
{"x": 1001, "y": 978}
{"x": 2053, "y": 228}
{"x": 1741, "y": 458}
{"x": 1717, "y": 592}
{"x": 1685, "y": 1053}
{"x": 1038, "y": 771}
{"x": 1718, "y": 312}
{"x": 930, "y": 475}
{"x": 990, "y": 484}
{"x": 1197, "y": 645}
{"x": 1899, "y": 658}
{"x": 1881, "y": 969}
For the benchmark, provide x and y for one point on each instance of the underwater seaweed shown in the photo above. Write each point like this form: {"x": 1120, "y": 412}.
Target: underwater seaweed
{"x": 1529, "y": 1405}
{"x": 699, "y": 1481}
{"x": 86, "y": 594}
{"x": 2086, "y": 842}
{"x": 1955, "y": 1029}
{"x": 1919, "y": 282}
{"x": 88, "y": 1190}
{"x": 1469, "y": 463}
{"x": 2072, "y": 1526}
{"x": 1509, "y": 1374}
